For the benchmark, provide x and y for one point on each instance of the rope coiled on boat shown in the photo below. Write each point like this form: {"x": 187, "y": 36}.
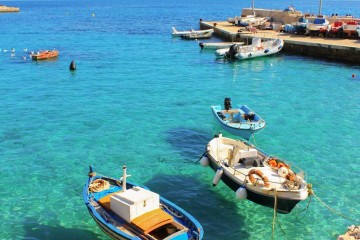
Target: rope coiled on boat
{"x": 99, "y": 185}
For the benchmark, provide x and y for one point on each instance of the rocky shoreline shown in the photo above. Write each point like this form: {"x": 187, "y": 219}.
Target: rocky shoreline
{"x": 8, "y": 9}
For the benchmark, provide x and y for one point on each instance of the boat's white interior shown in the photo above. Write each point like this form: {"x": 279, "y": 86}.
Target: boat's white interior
{"x": 238, "y": 159}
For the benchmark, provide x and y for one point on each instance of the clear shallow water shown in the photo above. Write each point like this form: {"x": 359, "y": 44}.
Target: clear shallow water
{"x": 142, "y": 98}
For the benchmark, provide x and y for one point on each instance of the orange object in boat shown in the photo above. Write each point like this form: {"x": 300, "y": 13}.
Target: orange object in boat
{"x": 253, "y": 180}
{"x": 45, "y": 54}
{"x": 152, "y": 220}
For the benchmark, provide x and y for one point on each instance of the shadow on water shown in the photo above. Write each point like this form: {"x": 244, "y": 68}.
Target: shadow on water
{"x": 36, "y": 231}
{"x": 202, "y": 201}
{"x": 191, "y": 144}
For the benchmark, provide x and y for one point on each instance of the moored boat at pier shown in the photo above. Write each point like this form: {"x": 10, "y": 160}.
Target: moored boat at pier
{"x": 191, "y": 32}
{"x": 218, "y": 45}
{"x": 256, "y": 49}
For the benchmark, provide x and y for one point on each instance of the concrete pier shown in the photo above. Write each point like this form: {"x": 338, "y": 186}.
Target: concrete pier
{"x": 5, "y": 9}
{"x": 338, "y": 49}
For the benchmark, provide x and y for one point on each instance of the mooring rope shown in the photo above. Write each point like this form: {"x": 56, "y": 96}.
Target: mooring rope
{"x": 306, "y": 208}
{"x": 278, "y": 222}
{"x": 254, "y": 140}
{"x": 274, "y": 217}
{"x": 332, "y": 210}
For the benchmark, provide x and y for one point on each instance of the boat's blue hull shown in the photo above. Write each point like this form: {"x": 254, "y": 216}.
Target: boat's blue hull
{"x": 195, "y": 228}
{"x": 244, "y": 129}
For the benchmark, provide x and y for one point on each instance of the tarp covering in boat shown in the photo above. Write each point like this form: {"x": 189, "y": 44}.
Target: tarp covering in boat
{"x": 152, "y": 220}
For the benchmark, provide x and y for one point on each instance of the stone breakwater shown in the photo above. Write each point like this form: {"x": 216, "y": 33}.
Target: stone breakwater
{"x": 353, "y": 233}
{"x": 8, "y": 9}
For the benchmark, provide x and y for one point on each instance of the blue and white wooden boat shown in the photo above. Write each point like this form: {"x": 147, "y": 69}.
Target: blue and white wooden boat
{"x": 255, "y": 175}
{"x": 240, "y": 121}
{"x": 127, "y": 211}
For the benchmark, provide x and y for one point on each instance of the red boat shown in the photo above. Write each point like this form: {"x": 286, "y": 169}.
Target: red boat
{"x": 336, "y": 28}
{"x": 350, "y": 27}
{"x": 44, "y": 54}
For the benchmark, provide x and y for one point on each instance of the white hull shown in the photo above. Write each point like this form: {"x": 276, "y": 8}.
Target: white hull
{"x": 256, "y": 49}
{"x": 176, "y": 33}
{"x": 218, "y": 45}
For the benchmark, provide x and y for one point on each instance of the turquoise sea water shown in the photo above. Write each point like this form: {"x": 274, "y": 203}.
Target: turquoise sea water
{"x": 142, "y": 98}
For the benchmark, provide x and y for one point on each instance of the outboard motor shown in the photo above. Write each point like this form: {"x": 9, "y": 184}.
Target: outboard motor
{"x": 232, "y": 52}
{"x": 227, "y": 104}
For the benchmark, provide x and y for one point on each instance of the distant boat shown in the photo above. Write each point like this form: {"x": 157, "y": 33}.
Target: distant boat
{"x": 240, "y": 121}
{"x": 319, "y": 26}
{"x": 44, "y": 54}
{"x": 124, "y": 211}
{"x": 191, "y": 32}
{"x": 350, "y": 27}
{"x": 336, "y": 28}
{"x": 300, "y": 25}
{"x": 198, "y": 35}
{"x": 255, "y": 175}
{"x": 251, "y": 20}
{"x": 256, "y": 49}
{"x": 218, "y": 45}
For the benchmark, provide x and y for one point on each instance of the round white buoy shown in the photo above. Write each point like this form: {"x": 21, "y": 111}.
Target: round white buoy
{"x": 217, "y": 176}
{"x": 283, "y": 172}
{"x": 204, "y": 161}
{"x": 241, "y": 193}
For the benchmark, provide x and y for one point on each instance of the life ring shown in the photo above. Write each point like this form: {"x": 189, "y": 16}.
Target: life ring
{"x": 253, "y": 180}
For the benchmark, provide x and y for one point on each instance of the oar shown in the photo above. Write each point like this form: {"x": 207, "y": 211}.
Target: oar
{"x": 201, "y": 157}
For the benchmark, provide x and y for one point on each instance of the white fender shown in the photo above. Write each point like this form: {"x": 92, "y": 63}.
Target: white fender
{"x": 283, "y": 172}
{"x": 217, "y": 176}
{"x": 204, "y": 161}
{"x": 241, "y": 193}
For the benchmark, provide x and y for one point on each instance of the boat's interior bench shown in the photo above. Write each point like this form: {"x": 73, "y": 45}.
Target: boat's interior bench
{"x": 247, "y": 158}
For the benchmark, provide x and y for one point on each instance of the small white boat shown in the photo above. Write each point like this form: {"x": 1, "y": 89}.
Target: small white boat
{"x": 256, "y": 49}
{"x": 176, "y": 33}
{"x": 255, "y": 175}
{"x": 198, "y": 35}
{"x": 250, "y": 20}
{"x": 218, "y": 45}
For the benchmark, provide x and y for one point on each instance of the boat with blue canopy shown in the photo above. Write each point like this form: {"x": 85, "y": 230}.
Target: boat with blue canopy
{"x": 240, "y": 121}
{"x": 126, "y": 211}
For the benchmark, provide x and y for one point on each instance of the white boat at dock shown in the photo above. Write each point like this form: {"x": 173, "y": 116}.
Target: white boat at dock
{"x": 218, "y": 45}
{"x": 191, "y": 33}
{"x": 256, "y": 49}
